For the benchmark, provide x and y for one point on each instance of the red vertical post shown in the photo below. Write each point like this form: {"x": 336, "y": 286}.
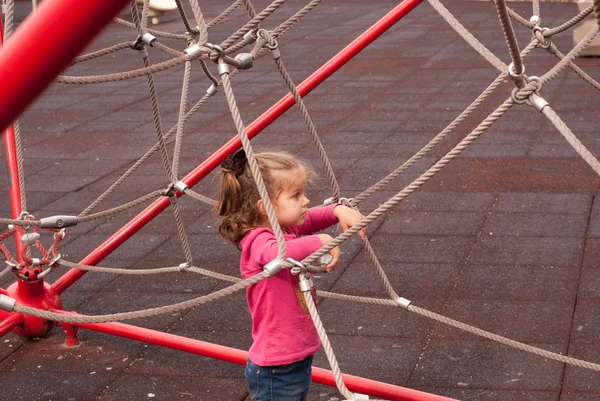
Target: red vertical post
{"x": 10, "y": 149}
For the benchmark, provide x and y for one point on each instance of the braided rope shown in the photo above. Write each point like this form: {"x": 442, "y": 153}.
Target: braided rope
{"x": 467, "y": 36}
{"x": 102, "y": 52}
{"x": 119, "y": 209}
{"x": 224, "y": 14}
{"x": 181, "y": 119}
{"x": 254, "y": 166}
{"x": 309, "y": 123}
{"x": 509, "y": 35}
{"x": 59, "y": 317}
{"x": 570, "y": 23}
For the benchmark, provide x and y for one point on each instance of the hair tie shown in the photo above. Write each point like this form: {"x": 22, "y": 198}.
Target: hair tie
{"x": 235, "y": 162}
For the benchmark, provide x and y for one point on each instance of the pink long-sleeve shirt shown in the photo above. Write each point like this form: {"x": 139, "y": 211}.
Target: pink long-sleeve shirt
{"x": 282, "y": 332}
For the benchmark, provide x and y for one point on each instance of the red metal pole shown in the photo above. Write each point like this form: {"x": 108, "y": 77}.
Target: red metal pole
{"x": 10, "y": 149}
{"x": 323, "y": 376}
{"x": 44, "y": 45}
{"x": 9, "y": 324}
{"x": 252, "y": 130}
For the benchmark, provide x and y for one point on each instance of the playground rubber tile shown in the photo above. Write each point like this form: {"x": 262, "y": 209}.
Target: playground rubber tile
{"x": 496, "y": 250}
{"x": 68, "y": 386}
{"x": 137, "y": 183}
{"x": 366, "y": 320}
{"x": 539, "y": 322}
{"x": 488, "y": 394}
{"x": 483, "y": 364}
{"x": 482, "y": 150}
{"x": 424, "y": 249}
{"x": 515, "y": 175}
{"x": 388, "y": 359}
{"x": 519, "y": 283}
{"x": 148, "y": 386}
{"x": 203, "y": 248}
{"x": 81, "y": 247}
{"x": 415, "y": 281}
{"x": 543, "y": 203}
{"x": 577, "y": 396}
{"x": 589, "y": 287}
{"x": 591, "y": 257}
{"x": 536, "y": 225}
{"x": 578, "y": 379}
{"x": 433, "y": 223}
{"x": 448, "y": 202}
{"x": 586, "y": 322}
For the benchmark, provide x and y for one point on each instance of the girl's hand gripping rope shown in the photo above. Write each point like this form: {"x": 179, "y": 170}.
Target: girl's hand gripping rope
{"x": 334, "y": 252}
{"x": 349, "y": 217}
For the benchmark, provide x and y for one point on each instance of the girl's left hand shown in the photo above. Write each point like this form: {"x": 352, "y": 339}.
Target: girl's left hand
{"x": 349, "y": 217}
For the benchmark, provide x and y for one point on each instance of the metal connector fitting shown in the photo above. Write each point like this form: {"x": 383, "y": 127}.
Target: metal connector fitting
{"x": 361, "y": 397}
{"x": 58, "y": 221}
{"x": 11, "y": 227}
{"x": 273, "y": 267}
{"x": 535, "y": 20}
{"x": 275, "y": 52}
{"x": 181, "y": 186}
{"x": 324, "y": 259}
{"x": 223, "y": 67}
{"x": 328, "y": 201}
{"x": 305, "y": 285}
{"x": 194, "y": 51}
{"x": 403, "y": 302}
{"x": 7, "y": 303}
{"x": 184, "y": 267}
{"x": 537, "y": 101}
{"x": 212, "y": 90}
{"x": 35, "y": 262}
{"x": 30, "y": 238}
{"x": 513, "y": 75}
{"x": 250, "y": 37}
{"x": 148, "y": 39}
{"x": 246, "y": 59}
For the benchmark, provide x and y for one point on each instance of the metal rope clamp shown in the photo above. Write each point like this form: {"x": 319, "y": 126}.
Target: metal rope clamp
{"x": 297, "y": 267}
{"x": 141, "y": 41}
{"x": 273, "y": 267}
{"x": 517, "y": 78}
{"x": 304, "y": 284}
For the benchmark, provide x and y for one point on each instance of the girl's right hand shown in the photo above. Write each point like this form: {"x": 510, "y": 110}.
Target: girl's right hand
{"x": 334, "y": 252}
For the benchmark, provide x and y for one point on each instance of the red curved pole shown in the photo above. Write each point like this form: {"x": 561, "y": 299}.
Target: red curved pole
{"x": 319, "y": 375}
{"x": 44, "y": 45}
{"x": 252, "y": 130}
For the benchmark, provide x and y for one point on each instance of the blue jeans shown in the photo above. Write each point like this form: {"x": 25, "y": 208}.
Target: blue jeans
{"x": 279, "y": 383}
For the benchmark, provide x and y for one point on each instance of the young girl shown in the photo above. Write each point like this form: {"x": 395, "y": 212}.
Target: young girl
{"x": 285, "y": 339}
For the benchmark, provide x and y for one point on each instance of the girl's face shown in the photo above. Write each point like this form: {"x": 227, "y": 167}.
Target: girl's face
{"x": 291, "y": 204}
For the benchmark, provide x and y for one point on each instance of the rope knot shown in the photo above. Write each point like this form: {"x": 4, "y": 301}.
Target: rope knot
{"x": 529, "y": 93}
{"x": 539, "y": 34}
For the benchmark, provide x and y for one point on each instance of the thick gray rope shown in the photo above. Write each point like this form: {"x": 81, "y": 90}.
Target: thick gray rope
{"x": 9, "y": 19}
{"x": 224, "y": 14}
{"x": 465, "y": 327}
{"x": 517, "y": 17}
{"x": 239, "y": 124}
{"x": 509, "y": 35}
{"x": 187, "y": 251}
{"x": 115, "y": 317}
{"x": 167, "y": 50}
{"x": 307, "y": 120}
{"x": 249, "y": 25}
{"x": 335, "y": 368}
{"x": 142, "y": 159}
{"x": 573, "y": 21}
{"x": 595, "y": 84}
{"x": 426, "y": 176}
{"x": 468, "y": 36}
{"x": 102, "y": 52}
{"x": 586, "y": 155}
{"x": 203, "y": 34}
{"x": 597, "y": 11}
{"x": 431, "y": 144}
{"x": 290, "y": 22}
{"x": 160, "y": 270}
{"x": 536, "y": 8}
{"x": 199, "y": 197}
{"x": 184, "y": 18}
{"x": 181, "y": 119}
{"x": 554, "y": 71}
{"x": 166, "y": 35}
{"x": 121, "y": 76}
{"x": 119, "y": 209}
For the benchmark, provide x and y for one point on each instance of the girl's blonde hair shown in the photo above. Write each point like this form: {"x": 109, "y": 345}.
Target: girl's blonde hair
{"x": 239, "y": 196}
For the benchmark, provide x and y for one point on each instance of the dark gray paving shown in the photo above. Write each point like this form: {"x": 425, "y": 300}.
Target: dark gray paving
{"x": 505, "y": 238}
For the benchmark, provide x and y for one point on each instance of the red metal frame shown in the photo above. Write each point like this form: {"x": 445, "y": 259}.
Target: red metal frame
{"x": 10, "y": 149}
{"x": 23, "y": 84}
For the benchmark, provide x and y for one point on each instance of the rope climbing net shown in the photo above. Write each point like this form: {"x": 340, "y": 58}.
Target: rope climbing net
{"x": 198, "y": 51}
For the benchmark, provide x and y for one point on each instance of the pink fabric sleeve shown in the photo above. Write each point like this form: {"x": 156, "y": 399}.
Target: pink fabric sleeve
{"x": 317, "y": 219}
{"x": 265, "y": 248}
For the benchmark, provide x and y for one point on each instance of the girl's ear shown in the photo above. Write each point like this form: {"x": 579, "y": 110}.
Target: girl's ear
{"x": 261, "y": 207}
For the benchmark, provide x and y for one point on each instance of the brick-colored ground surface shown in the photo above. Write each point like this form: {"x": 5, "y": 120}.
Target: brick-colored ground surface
{"x": 505, "y": 238}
